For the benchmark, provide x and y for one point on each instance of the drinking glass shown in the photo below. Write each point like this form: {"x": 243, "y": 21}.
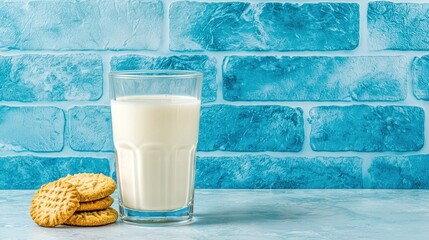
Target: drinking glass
{"x": 155, "y": 120}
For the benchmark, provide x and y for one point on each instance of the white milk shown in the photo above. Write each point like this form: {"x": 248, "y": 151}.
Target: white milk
{"x": 155, "y": 140}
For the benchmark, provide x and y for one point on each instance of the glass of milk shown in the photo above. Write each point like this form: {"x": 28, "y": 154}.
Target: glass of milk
{"x": 155, "y": 118}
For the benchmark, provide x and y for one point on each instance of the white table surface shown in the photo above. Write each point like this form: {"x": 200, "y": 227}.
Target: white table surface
{"x": 254, "y": 214}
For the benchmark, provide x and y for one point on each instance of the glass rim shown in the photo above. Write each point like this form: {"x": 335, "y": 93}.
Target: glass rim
{"x": 150, "y": 74}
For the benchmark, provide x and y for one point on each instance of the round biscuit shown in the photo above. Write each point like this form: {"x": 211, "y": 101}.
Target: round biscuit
{"x": 99, "y": 204}
{"x": 91, "y": 186}
{"x": 93, "y": 218}
{"x": 54, "y": 203}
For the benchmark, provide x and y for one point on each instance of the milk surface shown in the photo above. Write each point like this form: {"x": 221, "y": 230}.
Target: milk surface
{"x": 155, "y": 140}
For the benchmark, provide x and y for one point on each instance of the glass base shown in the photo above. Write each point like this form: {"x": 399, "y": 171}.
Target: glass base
{"x": 156, "y": 218}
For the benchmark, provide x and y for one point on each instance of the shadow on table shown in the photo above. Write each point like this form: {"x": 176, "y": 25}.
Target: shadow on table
{"x": 246, "y": 215}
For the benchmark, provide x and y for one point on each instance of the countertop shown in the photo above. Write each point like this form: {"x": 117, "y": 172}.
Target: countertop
{"x": 254, "y": 214}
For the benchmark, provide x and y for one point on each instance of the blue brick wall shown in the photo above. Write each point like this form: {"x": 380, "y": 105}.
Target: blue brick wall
{"x": 30, "y": 78}
{"x": 315, "y": 78}
{"x": 330, "y": 94}
{"x": 90, "y": 128}
{"x": 29, "y": 172}
{"x": 263, "y": 171}
{"x": 237, "y": 26}
{"x": 251, "y": 129}
{"x": 401, "y": 26}
{"x": 76, "y": 25}
{"x": 367, "y": 129}
{"x": 31, "y": 129}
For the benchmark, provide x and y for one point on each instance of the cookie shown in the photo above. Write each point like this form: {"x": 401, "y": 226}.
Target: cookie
{"x": 94, "y": 218}
{"x": 99, "y": 204}
{"x": 54, "y": 203}
{"x": 91, "y": 186}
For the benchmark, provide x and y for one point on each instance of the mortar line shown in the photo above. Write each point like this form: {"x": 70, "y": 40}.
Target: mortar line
{"x": 341, "y": 53}
{"x": 300, "y": 2}
{"x": 97, "y": 154}
{"x": 363, "y": 27}
{"x": 219, "y": 79}
{"x": 165, "y": 40}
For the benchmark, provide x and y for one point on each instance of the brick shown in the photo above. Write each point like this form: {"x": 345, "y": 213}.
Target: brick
{"x": 81, "y": 25}
{"x": 30, "y": 172}
{"x": 267, "y": 78}
{"x": 37, "y": 129}
{"x": 90, "y": 128}
{"x": 399, "y": 172}
{"x": 29, "y": 78}
{"x": 420, "y": 75}
{"x": 251, "y": 128}
{"x": 367, "y": 129}
{"x": 202, "y": 63}
{"x": 263, "y": 171}
{"x": 243, "y": 26}
{"x": 398, "y": 26}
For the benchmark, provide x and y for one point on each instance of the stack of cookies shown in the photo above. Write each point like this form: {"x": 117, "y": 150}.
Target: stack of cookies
{"x": 78, "y": 200}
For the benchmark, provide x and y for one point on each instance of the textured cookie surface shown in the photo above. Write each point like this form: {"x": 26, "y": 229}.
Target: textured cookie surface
{"x": 94, "y": 218}
{"x": 91, "y": 186}
{"x": 99, "y": 204}
{"x": 54, "y": 203}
